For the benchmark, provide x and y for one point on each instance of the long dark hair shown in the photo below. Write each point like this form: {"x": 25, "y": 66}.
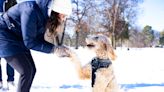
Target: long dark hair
{"x": 53, "y": 22}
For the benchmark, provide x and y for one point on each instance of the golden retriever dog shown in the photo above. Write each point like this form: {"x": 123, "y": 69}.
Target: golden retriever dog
{"x": 99, "y": 70}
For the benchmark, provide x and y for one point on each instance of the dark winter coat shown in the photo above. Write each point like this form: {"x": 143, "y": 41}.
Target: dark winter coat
{"x": 29, "y": 20}
{"x": 1, "y": 5}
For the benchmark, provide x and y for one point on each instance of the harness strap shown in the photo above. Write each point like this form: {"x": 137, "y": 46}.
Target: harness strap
{"x": 97, "y": 64}
{"x": 7, "y": 21}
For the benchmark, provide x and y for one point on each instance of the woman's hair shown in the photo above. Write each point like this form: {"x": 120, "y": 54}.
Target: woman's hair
{"x": 53, "y": 22}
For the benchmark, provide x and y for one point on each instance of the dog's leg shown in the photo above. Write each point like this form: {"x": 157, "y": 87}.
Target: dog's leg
{"x": 112, "y": 84}
{"x": 83, "y": 72}
{"x": 86, "y": 71}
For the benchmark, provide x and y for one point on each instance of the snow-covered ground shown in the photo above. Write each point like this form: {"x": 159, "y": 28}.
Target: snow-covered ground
{"x": 136, "y": 70}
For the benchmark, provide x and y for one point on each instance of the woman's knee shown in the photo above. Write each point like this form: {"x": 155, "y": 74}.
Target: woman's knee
{"x": 34, "y": 71}
{"x": 28, "y": 73}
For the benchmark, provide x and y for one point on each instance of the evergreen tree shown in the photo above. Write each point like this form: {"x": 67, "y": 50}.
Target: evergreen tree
{"x": 161, "y": 39}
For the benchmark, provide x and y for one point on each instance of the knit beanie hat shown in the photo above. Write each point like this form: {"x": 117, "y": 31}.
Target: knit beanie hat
{"x": 61, "y": 6}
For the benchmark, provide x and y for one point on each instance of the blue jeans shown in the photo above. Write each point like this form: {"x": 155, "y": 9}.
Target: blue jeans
{"x": 9, "y": 72}
{"x": 23, "y": 63}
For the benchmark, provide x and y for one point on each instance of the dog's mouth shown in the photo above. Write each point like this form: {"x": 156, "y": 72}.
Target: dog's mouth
{"x": 90, "y": 45}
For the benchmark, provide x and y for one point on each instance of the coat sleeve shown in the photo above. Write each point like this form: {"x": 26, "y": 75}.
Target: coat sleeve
{"x": 29, "y": 32}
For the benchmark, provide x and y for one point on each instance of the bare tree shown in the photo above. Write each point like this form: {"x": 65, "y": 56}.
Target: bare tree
{"x": 80, "y": 10}
{"x": 136, "y": 38}
{"x": 118, "y": 14}
{"x": 110, "y": 17}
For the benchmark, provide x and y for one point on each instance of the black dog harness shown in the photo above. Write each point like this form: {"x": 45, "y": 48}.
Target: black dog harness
{"x": 97, "y": 64}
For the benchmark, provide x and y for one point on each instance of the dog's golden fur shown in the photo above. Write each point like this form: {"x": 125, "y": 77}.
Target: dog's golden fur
{"x": 105, "y": 79}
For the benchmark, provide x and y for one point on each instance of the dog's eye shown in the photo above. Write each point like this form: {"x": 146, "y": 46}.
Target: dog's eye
{"x": 96, "y": 37}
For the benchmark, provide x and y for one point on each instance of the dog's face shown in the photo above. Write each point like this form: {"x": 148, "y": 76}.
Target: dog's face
{"x": 95, "y": 42}
{"x": 100, "y": 45}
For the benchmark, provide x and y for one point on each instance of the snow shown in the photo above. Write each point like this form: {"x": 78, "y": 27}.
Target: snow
{"x": 136, "y": 70}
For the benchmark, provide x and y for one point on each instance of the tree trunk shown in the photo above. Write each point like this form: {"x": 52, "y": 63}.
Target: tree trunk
{"x": 63, "y": 33}
{"x": 77, "y": 40}
{"x": 113, "y": 40}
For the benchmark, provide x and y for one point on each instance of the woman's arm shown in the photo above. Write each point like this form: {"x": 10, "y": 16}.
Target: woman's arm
{"x": 29, "y": 30}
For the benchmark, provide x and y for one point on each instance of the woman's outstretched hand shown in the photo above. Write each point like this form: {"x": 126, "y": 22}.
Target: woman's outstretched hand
{"x": 62, "y": 51}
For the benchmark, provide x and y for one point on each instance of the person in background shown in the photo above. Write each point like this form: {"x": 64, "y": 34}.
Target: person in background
{"x": 22, "y": 29}
{"x": 9, "y": 69}
{"x": 10, "y": 76}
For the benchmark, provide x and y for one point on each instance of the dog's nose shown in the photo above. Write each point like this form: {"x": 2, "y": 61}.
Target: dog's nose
{"x": 89, "y": 36}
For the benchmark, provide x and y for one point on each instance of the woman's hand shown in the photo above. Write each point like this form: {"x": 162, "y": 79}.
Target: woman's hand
{"x": 71, "y": 53}
{"x": 61, "y": 51}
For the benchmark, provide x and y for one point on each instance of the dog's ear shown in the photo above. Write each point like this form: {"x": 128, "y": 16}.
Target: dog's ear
{"x": 110, "y": 52}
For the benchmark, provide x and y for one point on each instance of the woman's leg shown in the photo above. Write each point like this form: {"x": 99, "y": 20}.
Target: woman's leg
{"x": 10, "y": 73}
{"x": 24, "y": 64}
{"x": 0, "y": 75}
{"x": 0, "y": 71}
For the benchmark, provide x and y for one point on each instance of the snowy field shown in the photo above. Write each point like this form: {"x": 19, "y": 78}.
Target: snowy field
{"x": 136, "y": 70}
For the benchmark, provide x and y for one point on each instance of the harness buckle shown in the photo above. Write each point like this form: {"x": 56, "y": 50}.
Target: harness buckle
{"x": 11, "y": 26}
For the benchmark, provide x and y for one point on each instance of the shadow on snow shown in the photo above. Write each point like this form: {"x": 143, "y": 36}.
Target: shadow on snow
{"x": 132, "y": 86}
{"x": 77, "y": 86}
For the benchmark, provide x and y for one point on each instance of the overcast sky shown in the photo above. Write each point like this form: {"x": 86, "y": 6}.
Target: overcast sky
{"x": 152, "y": 14}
